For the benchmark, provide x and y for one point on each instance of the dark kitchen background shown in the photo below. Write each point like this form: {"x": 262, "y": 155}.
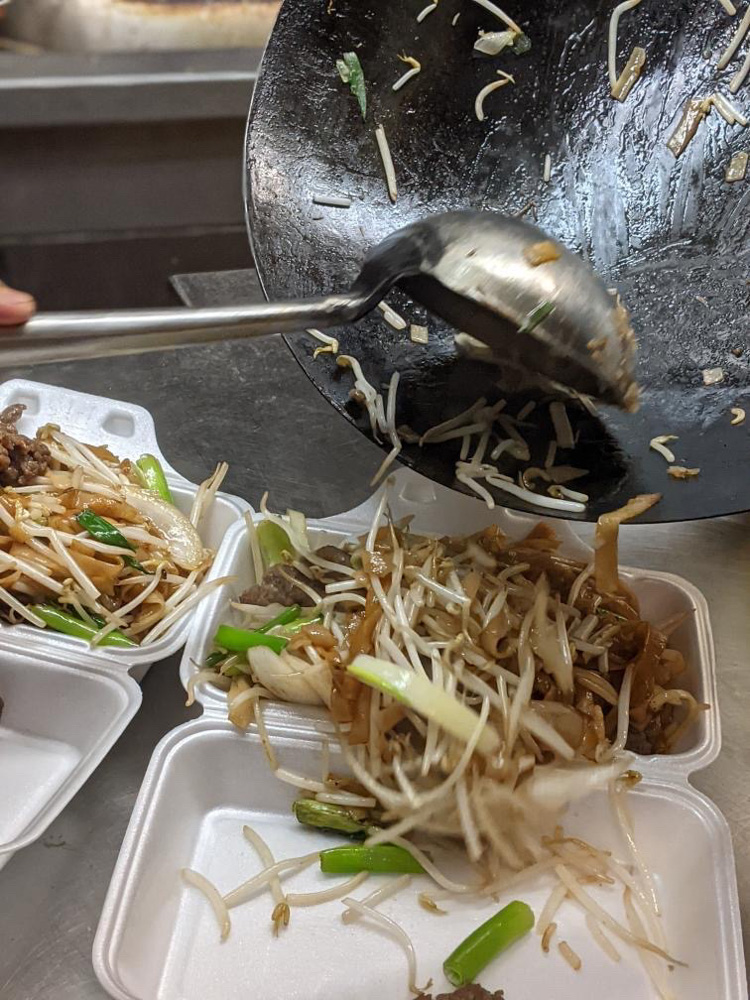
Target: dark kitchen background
{"x": 121, "y": 128}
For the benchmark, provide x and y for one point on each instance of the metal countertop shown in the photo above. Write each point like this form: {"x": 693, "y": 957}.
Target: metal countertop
{"x": 251, "y": 405}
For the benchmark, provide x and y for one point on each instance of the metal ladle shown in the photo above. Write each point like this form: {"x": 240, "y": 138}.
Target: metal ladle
{"x": 537, "y": 306}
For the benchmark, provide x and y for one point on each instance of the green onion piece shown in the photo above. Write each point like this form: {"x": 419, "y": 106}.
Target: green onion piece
{"x": 235, "y": 666}
{"x": 431, "y": 700}
{"x": 274, "y": 542}
{"x": 300, "y": 623}
{"x": 102, "y": 530}
{"x": 134, "y": 564}
{"x": 153, "y": 473}
{"x": 61, "y": 621}
{"x": 384, "y": 859}
{"x": 325, "y": 816}
{"x": 238, "y": 640}
{"x": 351, "y": 72}
{"x": 536, "y": 316}
{"x": 230, "y": 665}
{"x": 487, "y": 941}
{"x": 285, "y": 617}
{"x": 343, "y": 71}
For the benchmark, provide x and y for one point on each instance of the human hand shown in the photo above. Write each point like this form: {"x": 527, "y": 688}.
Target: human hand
{"x": 15, "y": 307}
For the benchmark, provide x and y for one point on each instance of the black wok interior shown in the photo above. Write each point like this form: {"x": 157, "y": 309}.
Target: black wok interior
{"x": 670, "y": 235}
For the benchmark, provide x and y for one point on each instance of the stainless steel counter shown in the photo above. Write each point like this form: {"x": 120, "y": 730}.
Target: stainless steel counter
{"x": 250, "y": 405}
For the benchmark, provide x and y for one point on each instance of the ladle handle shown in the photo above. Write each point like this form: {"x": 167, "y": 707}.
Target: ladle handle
{"x": 72, "y": 336}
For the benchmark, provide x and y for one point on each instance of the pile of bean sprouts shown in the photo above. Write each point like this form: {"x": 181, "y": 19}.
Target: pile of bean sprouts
{"x": 488, "y": 435}
{"x": 46, "y": 556}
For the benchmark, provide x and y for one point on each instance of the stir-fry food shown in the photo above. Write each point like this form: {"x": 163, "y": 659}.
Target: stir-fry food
{"x": 405, "y": 638}
{"x": 477, "y": 686}
{"x": 93, "y": 546}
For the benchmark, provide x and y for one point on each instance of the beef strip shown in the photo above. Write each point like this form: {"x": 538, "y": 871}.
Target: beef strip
{"x": 277, "y": 588}
{"x": 471, "y": 992}
{"x": 22, "y": 459}
{"x": 334, "y": 555}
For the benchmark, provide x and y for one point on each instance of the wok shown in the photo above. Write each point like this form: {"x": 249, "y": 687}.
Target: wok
{"x": 670, "y": 235}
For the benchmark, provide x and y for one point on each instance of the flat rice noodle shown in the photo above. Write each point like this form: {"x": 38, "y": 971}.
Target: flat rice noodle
{"x": 344, "y": 695}
{"x": 494, "y": 632}
{"x": 72, "y": 499}
{"x": 674, "y": 662}
{"x": 316, "y": 634}
{"x": 566, "y": 720}
{"x": 103, "y": 453}
{"x": 471, "y": 583}
{"x": 391, "y": 716}
{"x": 542, "y": 537}
{"x": 101, "y": 558}
{"x": 18, "y": 534}
{"x": 594, "y": 731}
{"x": 64, "y": 522}
{"x": 492, "y": 539}
{"x": 623, "y": 605}
{"x": 109, "y": 508}
{"x": 45, "y": 563}
{"x": 360, "y": 637}
{"x": 243, "y": 715}
{"x": 648, "y": 668}
{"x": 101, "y": 573}
{"x": 350, "y": 698}
{"x": 607, "y": 530}
{"x": 378, "y": 563}
{"x": 562, "y": 572}
{"x": 350, "y": 703}
{"x": 359, "y": 733}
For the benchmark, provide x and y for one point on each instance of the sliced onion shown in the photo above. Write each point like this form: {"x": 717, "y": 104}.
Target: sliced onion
{"x": 289, "y": 677}
{"x": 185, "y": 545}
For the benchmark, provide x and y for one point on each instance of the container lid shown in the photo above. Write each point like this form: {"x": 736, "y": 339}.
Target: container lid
{"x": 65, "y": 704}
{"x": 157, "y": 937}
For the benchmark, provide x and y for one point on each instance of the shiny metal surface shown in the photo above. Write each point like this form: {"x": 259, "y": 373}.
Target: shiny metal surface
{"x": 251, "y": 405}
{"x": 474, "y": 270}
{"x": 69, "y": 336}
{"x": 469, "y": 268}
{"x": 110, "y": 25}
{"x": 76, "y": 89}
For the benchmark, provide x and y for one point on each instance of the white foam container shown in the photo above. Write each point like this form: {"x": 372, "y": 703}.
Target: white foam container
{"x": 158, "y": 940}
{"x": 66, "y": 704}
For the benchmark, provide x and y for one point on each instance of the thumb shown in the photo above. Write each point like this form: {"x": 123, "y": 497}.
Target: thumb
{"x": 15, "y": 307}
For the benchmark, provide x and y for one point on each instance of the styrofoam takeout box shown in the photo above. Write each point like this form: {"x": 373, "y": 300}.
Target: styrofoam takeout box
{"x": 65, "y": 703}
{"x": 158, "y": 940}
